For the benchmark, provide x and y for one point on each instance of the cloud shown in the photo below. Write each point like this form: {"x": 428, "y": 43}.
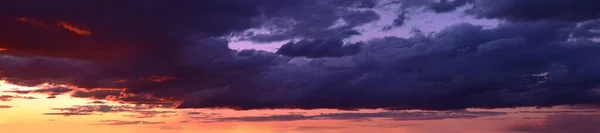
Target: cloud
{"x": 447, "y": 6}
{"x": 97, "y": 93}
{"x": 6, "y": 97}
{"x": 318, "y": 48}
{"x": 390, "y": 115}
{"x": 5, "y": 107}
{"x": 69, "y": 113}
{"x": 559, "y": 111}
{"x": 562, "y": 123}
{"x": 12, "y": 97}
{"x": 462, "y": 66}
{"x": 179, "y": 56}
{"x": 137, "y": 111}
{"x": 120, "y": 123}
{"x": 330, "y": 19}
{"x": 525, "y": 10}
{"x": 97, "y": 102}
{"x": 49, "y": 91}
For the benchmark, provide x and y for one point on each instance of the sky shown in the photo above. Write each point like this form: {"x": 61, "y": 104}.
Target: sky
{"x": 300, "y": 66}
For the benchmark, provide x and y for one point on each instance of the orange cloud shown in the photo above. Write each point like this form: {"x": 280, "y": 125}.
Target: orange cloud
{"x": 32, "y": 21}
{"x": 74, "y": 29}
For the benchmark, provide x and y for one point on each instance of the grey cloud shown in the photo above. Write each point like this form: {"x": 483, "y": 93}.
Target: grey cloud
{"x": 446, "y": 6}
{"x": 319, "y": 48}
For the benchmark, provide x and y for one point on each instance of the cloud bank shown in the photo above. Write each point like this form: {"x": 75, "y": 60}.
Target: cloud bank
{"x": 174, "y": 51}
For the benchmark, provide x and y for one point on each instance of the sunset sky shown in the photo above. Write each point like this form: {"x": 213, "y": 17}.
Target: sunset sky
{"x": 299, "y": 66}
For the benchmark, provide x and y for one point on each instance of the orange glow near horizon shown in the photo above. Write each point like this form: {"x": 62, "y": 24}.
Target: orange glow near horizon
{"x": 19, "y": 114}
{"x": 74, "y": 29}
{"x": 3, "y": 49}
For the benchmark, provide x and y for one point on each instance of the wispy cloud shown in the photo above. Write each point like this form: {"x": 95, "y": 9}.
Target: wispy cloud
{"x": 390, "y": 115}
{"x": 138, "y": 111}
{"x": 11, "y": 97}
{"x": 69, "y": 113}
{"x": 119, "y": 122}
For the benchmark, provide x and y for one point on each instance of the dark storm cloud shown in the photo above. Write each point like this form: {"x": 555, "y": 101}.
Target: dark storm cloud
{"x": 562, "y": 123}
{"x": 315, "y": 21}
{"x": 446, "y": 6}
{"x": 462, "y": 66}
{"x": 392, "y": 115}
{"x": 159, "y": 51}
{"x": 526, "y": 10}
{"x": 318, "y": 48}
{"x": 399, "y": 21}
{"x": 538, "y": 10}
{"x": 130, "y": 41}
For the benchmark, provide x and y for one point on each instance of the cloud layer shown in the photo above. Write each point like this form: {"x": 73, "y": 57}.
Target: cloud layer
{"x": 174, "y": 51}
